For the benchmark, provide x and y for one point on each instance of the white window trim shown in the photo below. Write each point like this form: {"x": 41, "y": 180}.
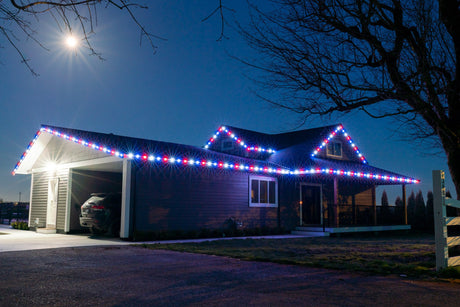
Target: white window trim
{"x": 332, "y": 155}
{"x": 266, "y": 205}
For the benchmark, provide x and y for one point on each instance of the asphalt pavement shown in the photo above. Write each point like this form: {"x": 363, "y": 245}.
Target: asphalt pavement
{"x": 81, "y": 270}
{"x": 137, "y": 276}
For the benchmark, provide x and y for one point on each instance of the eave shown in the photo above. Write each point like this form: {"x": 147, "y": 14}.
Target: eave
{"x": 198, "y": 159}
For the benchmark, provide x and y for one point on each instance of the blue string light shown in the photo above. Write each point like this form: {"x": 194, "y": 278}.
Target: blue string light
{"x": 347, "y": 137}
{"x": 187, "y": 161}
{"x": 238, "y": 140}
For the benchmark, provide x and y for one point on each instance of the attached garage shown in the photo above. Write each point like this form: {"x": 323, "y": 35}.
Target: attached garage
{"x": 64, "y": 175}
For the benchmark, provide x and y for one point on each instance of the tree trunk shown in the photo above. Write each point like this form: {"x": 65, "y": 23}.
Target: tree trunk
{"x": 453, "y": 161}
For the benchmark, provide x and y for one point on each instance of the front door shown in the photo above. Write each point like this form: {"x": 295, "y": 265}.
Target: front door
{"x": 51, "y": 209}
{"x": 310, "y": 197}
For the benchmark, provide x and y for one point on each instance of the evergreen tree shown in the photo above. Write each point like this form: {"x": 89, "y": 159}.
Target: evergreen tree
{"x": 411, "y": 209}
{"x": 429, "y": 212}
{"x": 420, "y": 212}
{"x": 385, "y": 214}
{"x": 399, "y": 209}
{"x": 384, "y": 200}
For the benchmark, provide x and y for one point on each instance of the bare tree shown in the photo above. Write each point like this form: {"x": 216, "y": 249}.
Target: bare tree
{"x": 387, "y": 58}
{"x": 18, "y": 20}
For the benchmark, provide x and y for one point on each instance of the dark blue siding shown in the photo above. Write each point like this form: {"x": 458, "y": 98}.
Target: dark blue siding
{"x": 178, "y": 198}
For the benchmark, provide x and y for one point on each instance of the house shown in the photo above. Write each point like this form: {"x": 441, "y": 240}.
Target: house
{"x": 309, "y": 177}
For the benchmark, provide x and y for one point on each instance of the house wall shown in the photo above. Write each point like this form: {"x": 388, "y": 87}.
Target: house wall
{"x": 39, "y": 198}
{"x": 235, "y": 149}
{"x": 177, "y": 198}
{"x": 289, "y": 194}
{"x": 356, "y": 193}
{"x": 348, "y": 154}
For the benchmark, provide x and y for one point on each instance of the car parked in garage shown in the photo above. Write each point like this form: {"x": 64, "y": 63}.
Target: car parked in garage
{"x": 101, "y": 213}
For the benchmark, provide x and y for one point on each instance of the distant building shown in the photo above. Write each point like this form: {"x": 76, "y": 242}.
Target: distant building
{"x": 13, "y": 211}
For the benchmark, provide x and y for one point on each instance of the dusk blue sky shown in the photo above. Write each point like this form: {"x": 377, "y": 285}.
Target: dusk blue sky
{"x": 181, "y": 94}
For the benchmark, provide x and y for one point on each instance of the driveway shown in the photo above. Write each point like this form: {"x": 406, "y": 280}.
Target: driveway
{"x": 65, "y": 270}
{"x": 135, "y": 276}
{"x": 21, "y": 240}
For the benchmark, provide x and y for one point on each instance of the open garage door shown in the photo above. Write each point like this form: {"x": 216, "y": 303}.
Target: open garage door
{"x": 86, "y": 182}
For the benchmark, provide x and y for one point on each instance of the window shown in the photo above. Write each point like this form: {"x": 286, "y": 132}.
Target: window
{"x": 334, "y": 149}
{"x": 263, "y": 192}
{"x": 227, "y": 145}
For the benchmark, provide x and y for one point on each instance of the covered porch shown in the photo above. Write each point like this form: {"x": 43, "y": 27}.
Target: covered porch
{"x": 352, "y": 208}
{"x": 342, "y": 206}
{"x": 328, "y": 231}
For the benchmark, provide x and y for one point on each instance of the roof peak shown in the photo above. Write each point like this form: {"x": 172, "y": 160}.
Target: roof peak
{"x": 333, "y": 126}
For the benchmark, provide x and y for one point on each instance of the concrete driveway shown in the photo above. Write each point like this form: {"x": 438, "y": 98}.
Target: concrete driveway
{"x": 19, "y": 240}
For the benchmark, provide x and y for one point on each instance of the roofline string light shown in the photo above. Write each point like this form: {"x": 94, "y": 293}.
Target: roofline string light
{"x": 25, "y": 153}
{"x": 165, "y": 159}
{"x": 224, "y": 130}
{"x": 347, "y": 137}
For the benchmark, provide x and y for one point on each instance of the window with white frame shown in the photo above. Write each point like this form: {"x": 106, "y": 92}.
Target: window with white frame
{"x": 227, "y": 145}
{"x": 334, "y": 149}
{"x": 263, "y": 191}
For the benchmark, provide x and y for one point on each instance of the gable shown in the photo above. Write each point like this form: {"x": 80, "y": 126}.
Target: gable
{"x": 47, "y": 151}
{"x": 59, "y": 151}
{"x": 233, "y": 141}
{"x": 338, "y": 145}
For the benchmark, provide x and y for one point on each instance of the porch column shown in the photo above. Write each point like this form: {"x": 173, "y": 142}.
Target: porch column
{"x": 68, "y": 207}
{"x": 125, "y": 225}
{"x": 29, "y": 223}
{"x": 335, "y": 211}
{"x": 404, "y": 203}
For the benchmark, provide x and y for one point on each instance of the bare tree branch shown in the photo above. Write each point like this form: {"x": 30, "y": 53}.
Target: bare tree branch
{"x": 65, "y": 13}
{"x": 219, "y": 10}
{"x": 397, "y": 59}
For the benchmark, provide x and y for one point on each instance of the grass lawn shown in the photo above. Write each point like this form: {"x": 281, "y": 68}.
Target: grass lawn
{"x": 411, "y": 255}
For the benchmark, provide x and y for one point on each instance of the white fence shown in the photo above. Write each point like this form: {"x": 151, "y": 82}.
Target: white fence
{"x": 441, "y": 221}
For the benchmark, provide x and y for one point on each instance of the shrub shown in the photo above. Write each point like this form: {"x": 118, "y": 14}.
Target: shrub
{"x": 450, "y": 272}
{"x": 20, "y": 225}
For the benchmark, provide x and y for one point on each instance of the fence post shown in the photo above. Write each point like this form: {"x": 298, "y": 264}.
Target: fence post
{"x": 440, "y": 228}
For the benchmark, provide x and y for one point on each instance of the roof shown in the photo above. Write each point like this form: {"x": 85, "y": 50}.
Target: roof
{"x": 293, "y": 154}
{"x": 298, "y": 146}
{"x": 287, "y": 139}
{"x": 274, "y": 141}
